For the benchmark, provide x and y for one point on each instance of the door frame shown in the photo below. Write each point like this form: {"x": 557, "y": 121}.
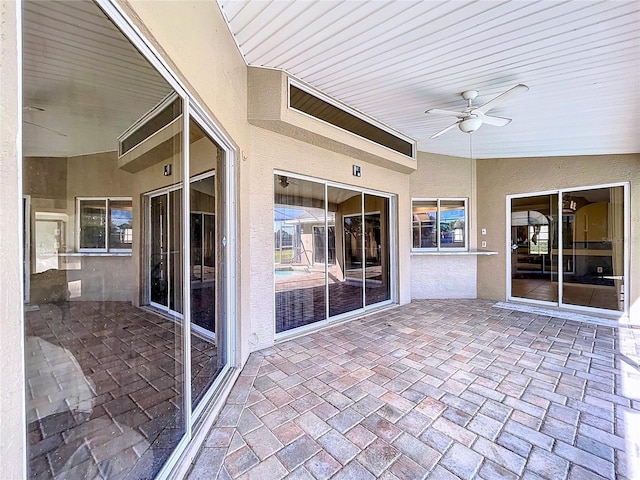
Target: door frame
{"x": 624, "y": 314}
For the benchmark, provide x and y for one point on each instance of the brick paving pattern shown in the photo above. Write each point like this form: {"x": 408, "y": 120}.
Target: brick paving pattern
{"x": 126, "y": 364}
{"x": 439, "y": 389}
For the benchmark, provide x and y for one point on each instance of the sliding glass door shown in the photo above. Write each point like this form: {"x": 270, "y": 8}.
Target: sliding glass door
{"x": 568, "y": 248}
{"x": 593, "y": 248}
{"x": 534, "y": 229}
{"x": 332, "y": 250}
{"x": 165, "y": 248}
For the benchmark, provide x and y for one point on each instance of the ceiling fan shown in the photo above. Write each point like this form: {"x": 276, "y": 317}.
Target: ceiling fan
{"x": 471, "y": 118}
{"x": 34, "y": 109}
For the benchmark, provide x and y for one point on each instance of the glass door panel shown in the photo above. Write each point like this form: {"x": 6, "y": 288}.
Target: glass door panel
{"x": 106, "y": 377}
{"x": 159, "y": 253}
{"x": 207, "y": 280}
{"x": 175, "y": 249}
{"x": 534, "y": 229}
{"x": 376, "y": 249}
{"x": 299, "y": 220}
{"x": 345, "y": 281}
{"x": 593, "y": 248}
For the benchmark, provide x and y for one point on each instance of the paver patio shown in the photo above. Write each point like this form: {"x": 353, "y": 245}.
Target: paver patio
{"x": 438, "y": 389}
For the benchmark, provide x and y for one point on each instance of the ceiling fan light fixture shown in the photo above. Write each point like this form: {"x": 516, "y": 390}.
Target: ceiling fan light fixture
{"x": 470, "y": 124}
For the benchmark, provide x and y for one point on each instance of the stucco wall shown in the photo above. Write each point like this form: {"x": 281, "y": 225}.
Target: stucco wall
{"x": 498, "y": 178}
{"x": 13, "y": 456}
{"x": 445, "y": 276}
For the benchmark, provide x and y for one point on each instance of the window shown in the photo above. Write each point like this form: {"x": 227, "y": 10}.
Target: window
{"x": 439, "y": 224}
{"x": 105, "y": 224}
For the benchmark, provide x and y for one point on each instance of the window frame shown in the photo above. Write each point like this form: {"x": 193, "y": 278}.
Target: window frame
{"x": 439, "y": 248}
{"x": 107, "y": 200}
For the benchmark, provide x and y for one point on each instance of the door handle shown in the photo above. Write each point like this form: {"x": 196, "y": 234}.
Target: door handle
{"x": 514, "y": 247}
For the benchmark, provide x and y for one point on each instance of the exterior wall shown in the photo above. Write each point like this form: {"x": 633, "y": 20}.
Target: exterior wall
{"x": 445, "y": 276}
{"x": 12, "y": 397}
{"x": 274, "y": 151}
{"x": 498, "y": 178}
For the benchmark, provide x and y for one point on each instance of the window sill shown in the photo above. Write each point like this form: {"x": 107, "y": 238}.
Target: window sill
{"x": 455, "y": 252}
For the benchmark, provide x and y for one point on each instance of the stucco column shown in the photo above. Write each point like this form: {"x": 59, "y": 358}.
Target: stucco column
{"x": 12, "y": 397}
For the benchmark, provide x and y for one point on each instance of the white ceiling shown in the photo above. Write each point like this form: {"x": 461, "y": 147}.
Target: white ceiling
{"x": 395, "y": 59}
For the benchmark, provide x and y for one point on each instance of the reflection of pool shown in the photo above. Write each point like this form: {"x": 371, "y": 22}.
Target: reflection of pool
{"x": 289, "y": 272}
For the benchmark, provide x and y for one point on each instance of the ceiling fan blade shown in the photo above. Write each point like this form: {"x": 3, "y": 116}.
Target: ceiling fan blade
{"x": 448, "y": 113}
{"x": 495, "y": 121}
{"x": 44, "y": 128}
{"x": 501, "y": 98}
{"x": 445, "y": 130}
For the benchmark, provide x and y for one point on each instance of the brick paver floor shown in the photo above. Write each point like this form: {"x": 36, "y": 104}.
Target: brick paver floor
{"x": 440, "y": 390}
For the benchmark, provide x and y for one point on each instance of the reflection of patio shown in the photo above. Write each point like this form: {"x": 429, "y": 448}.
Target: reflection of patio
{"x": 302, "y": 306}
{"x": 104, "y": 389}
{"x": 596, "y": 296}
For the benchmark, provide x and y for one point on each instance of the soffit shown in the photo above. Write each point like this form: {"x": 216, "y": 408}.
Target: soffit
{"x": 393, "y": 60}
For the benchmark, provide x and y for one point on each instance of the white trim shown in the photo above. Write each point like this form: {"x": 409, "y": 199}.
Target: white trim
{"x": 123, "y": 23}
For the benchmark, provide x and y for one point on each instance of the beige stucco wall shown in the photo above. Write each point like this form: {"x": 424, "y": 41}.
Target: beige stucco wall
{"x": 13, "y": 455}
{"x": 445, "y": 276}
{"x": 498, "y": 178}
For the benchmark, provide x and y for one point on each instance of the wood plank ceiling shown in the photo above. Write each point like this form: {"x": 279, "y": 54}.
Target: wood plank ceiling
{"x": 392, "y": 60}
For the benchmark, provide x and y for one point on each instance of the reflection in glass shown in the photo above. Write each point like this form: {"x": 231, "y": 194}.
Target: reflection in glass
{"x": 174, "y": 229}
{"x": 104, "y": 376}
{"x": 452, "y": 228}
{"x": 93, "y": 219}
{"x": 534, "y": 227}
{"x": 425, "y": 224}
{"x": 299, "y": 222}
{"x": 159, "y": 251}
{"x": 120, "y": 224}
{"x": 348, "y": 258}
{"x": 377, "y": 255}
{"x": 345, "y": 280}
{"x": 208, "y": 328}
{"x": 593, "y": 248}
